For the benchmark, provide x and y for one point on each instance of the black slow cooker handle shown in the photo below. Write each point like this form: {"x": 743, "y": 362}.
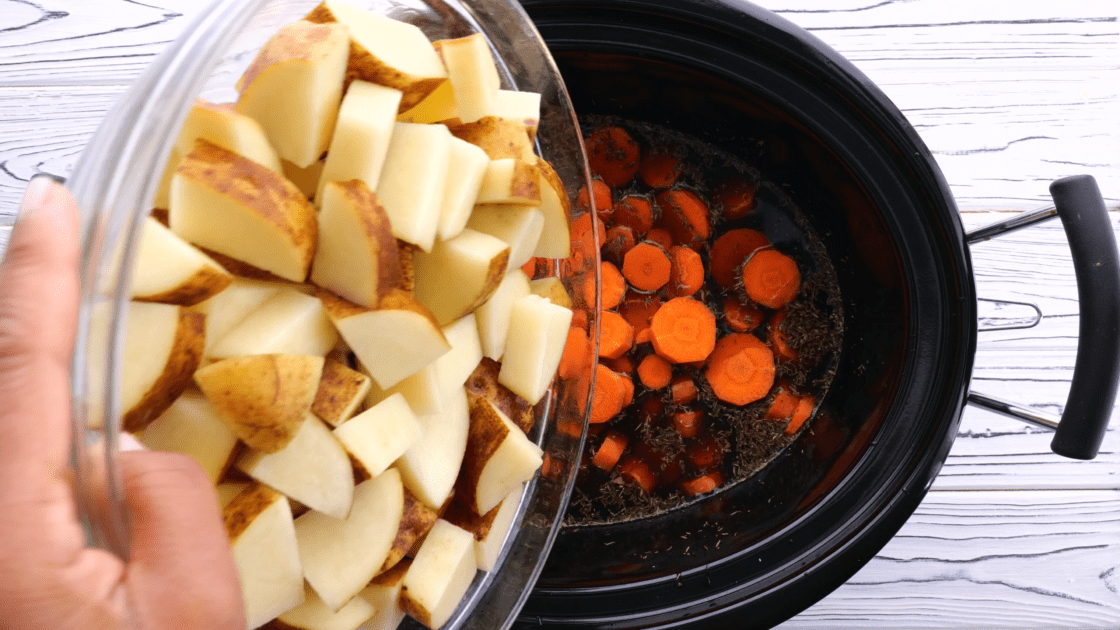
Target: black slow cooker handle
{"x": 1096, "y": 264}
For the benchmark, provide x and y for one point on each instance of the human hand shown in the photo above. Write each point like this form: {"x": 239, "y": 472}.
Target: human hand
{"x": 181, "y": 574}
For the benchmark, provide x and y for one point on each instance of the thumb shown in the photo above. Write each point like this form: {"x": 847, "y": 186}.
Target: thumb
{"x": 181, "y": 574}
{"x": 38, "y": 312}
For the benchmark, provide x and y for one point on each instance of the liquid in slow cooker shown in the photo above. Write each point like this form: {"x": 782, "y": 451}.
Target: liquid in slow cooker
{"x": 676, "y": 439}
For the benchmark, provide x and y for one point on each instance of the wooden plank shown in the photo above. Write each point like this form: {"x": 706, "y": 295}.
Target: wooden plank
{"x": 61, "y": 42}
{"x": 988, "y": 560}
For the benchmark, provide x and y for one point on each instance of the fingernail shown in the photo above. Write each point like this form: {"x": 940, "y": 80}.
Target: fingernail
{"x": 127, "y": 442}
{"x": 35, "y": 194}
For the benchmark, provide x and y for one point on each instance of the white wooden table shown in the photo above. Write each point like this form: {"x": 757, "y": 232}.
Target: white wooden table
{"x": 1009, "y": 94}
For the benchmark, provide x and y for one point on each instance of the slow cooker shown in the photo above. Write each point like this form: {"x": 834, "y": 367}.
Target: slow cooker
{"x": 735, "y": 75}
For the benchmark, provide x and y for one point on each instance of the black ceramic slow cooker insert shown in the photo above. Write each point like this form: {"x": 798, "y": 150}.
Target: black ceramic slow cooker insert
{"x": 732, "y": 74}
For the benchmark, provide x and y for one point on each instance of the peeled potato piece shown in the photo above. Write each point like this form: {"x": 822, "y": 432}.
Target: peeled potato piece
{"x": 439, "y": 576}
{"x": 236, "y": 207}
{"x": 313, "y": 469}
{"x": 264, "y": 398}
{"x": 538, "y": 330}
{"x": 472, "y": 73}
{"x": 341, "y": 555}
{"x": 498, "y": 458}
{"x": 293, "y": 88}
{"x": 263, "y": 541}
{"x": 361, "y": 135}
{"x": 460, "y": 274}
{"x": 191, "y": 426}
{"x": 386, "y": 51}
{"x": 170, "y": 270}
{"x": 357, "y": 257}
{"x": 288, "y": 322}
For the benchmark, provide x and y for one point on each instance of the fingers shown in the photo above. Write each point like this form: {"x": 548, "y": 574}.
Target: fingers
{"x": 38, "y": 311}
{"x": 181, "y": 574}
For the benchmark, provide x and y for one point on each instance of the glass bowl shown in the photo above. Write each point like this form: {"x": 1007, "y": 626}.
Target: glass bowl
{"x": 117, "y": 176}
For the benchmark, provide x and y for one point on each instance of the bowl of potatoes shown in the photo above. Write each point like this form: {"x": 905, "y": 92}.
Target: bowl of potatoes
{"x": 331, "y": 250}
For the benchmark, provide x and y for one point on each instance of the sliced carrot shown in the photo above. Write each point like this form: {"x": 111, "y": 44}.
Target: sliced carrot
{"x": 627, "y": 391}
{"x": 730, "y": 250}
{"x": 779, "y": 340}
{"x": 637, "y": 471}
{"x": 686, "y": 275}
{"x": 530, "y": 268}
{"x": 610, "y": 450}
{"x": 622, "y": 365}
{"x": 655, "y": 372}
{"x": 579, "y": 318}
{"x": 683, "y": 389}
{"x": 616, "y": 335}
{"x": 741, "y": 369}
{"x": 620, "y": 239}
{"x": 784, "y": 404}
{"x": 771, "y": 278}
{"x": 703, "y": 484}
{"x": 604, "y": 199}
{"x": 686, "y": 217}
{"x": 581, "y": 235}
{"x": 647, "y": 266}
{"x": 613, "y": 155}
{"x": 740, "y": 317}
{"x": 639, "y": 310}
{"x": 660, "y": 170}
{"x": 612, "y": 287}
{"x": 660, "y": 236}
{"x": 704, "y": 452}
{"x": 652, "y": 408}
{"x": 687, "y": 423}
{"x": 684, "y": 330}
{"x": 635, "y": 212}
{"x": 801, "y": 414}
{"x": 736, "y": 198}
{"x": 643, "y": 336}
{"x": 607, "y": 402}
{"x": 576, "y": 358}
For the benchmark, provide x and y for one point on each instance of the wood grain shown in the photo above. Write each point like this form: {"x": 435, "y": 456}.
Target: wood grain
{"x": 989, "y": 560}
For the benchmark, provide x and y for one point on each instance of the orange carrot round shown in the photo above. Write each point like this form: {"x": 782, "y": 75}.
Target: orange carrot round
{"x": 576, "y": 358}
{"x": 660, "y": 236}
{"x": 635, "y": 212}
{"x": 771, "y": 278}
{"x": 643, "y": 336}
{"x": 703, "y": 484}
{"x": 581, "y": 235}
{"x": 660, "y": 170}
{"x": 603, "y": 196}
{"x": 622, "y": 365}
{"x": 741, "y": 369}
{"x": 685, "y": 215}
{"x": 612, "y": 287}
{"x": 627, "y": 391}
{"x": 607, "y": 401}
{"x": 784, "y": 404}
{"x": 639, "y": 310}
{"x": 779, "y": 341}
{"x": 579, "y": 318}
{"x": 655, "y": 372}
{"x": 686, "y": 275}
{"x": 730, "y": 250}
{"x": 683, "y": 390}
{"x": 616, "y": 335}
{"x": 620, "y": 239}
{"x": 613, "y": 155}
{"x": 704, "y": 452}
{"x": 738, "y": 316}
{"x": 637, "y": 471}
{"x": 736, "y": 198}
{"x": 687, "y": 423}
{"x": 684, "y": 330}
{"x": 647, "y": 266}
{"x": 614, "y": 443}
{"x": 801, "y": 414}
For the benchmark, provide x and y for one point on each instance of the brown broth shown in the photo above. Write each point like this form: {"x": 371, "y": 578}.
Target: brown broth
{"x": 742, "y": 438}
